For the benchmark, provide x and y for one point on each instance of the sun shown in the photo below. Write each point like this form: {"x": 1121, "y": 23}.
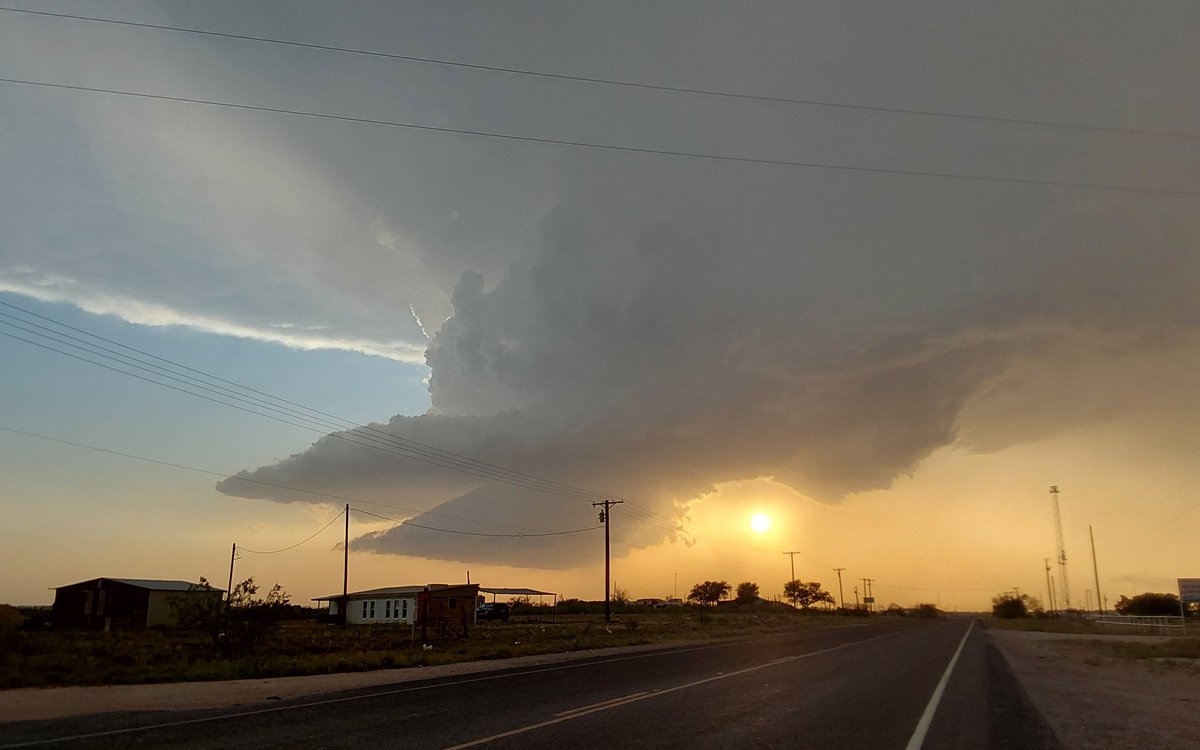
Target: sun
{"x": 760, "y": 522}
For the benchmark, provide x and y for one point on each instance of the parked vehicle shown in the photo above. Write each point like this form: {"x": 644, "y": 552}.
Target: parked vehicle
{"x": 492, "y": 611}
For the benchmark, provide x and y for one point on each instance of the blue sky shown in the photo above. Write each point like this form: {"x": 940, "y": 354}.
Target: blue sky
{"x": 116, "y": 411}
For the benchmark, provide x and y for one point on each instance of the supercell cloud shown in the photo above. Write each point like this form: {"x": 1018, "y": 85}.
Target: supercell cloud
{"x": 658, "y": 340}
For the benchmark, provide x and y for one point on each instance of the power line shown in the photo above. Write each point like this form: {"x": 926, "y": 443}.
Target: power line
{"x": 315, "y": 493}
{"x": 613, "y": 82}
{"x": 357, "y": 434}
{"x": 297, "y": 544}
{"x": 475, "y": 533}
{"x": 348, "y": 498}
{"x": 288, "y": 417}
{"x": 326, "y": 421}
{"x": 614, "y": 147}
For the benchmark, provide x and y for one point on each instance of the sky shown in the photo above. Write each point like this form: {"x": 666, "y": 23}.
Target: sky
{"x": 884, "y": 274}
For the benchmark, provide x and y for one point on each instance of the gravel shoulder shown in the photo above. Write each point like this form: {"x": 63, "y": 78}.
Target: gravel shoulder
{"x": 1092, "y": 700}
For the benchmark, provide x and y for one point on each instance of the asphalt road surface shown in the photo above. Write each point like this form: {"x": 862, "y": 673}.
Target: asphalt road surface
{"x": 883, "y": 684}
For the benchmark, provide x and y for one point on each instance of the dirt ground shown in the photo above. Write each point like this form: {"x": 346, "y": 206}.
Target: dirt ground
{"x": 1092, "y": 700}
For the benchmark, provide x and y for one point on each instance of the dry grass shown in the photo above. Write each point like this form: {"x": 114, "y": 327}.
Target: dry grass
{"x": 1170, "y": 649}
{"x": 52, "y": 658}
{"x": 1048, "y": 625}
{"x": 1168, "y": 652}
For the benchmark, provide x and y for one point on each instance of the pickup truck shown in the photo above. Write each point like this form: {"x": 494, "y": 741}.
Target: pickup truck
{"x": 495, "y": 611}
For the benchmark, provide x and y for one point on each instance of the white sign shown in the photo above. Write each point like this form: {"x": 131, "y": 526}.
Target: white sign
{"x": 1189, "y": 589}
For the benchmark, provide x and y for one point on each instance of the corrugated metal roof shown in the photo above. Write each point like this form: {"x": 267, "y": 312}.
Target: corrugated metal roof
{"x": 516, "y": 592}
{"x": 393, "y": 591}
{"x": 148, "y": 583}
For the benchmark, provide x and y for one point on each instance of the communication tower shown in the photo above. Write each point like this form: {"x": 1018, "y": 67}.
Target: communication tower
{"x": 1062, "y": 549}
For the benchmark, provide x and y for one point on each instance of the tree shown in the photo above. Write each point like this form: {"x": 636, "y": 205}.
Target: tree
{"x": 620, "y": 597}
{"x": 522, "y": 602}
{"x": 1013, "y": 607}
{"x": 709, "y": 592}
{"x": 1148, "y": 605}
{"x": 747, "y": 592}
{"x": 806, "y": 594}
{"x": 926, "y": 610}
{"x": 238, "y": 625}
{"x": 201, "y": 613}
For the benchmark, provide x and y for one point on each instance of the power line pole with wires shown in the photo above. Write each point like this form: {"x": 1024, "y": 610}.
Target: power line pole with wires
{"x": 841, "y": 597}
{"x": 792, "y": 555}
{"x": 605, "y": 514}
{"x": 344, "y": 610}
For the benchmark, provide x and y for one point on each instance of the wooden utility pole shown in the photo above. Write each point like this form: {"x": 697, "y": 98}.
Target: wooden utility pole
{"x": 345, "y": 608}
{"x": 229, "y": 590}
{"x": 605, "y": 514}
{"x": 228, "y": 597}
{"x": 1096, "y": 571}
{"x": 792, "y": 556}
{"x": 841, "y": 598}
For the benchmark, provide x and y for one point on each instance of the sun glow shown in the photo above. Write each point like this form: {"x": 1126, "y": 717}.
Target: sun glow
{"x": 760, "y": 522}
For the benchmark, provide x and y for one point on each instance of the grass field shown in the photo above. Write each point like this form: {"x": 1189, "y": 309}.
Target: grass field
{"x": 43, "y": 658}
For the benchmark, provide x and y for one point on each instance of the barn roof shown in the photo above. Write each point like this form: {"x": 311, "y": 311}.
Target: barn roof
{"x": 147, "y": 583}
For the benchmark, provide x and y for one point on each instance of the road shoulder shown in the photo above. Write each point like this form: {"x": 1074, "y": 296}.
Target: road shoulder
{"x": 1096, "y": 701}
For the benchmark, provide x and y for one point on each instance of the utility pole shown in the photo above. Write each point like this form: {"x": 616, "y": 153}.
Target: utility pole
{"x": 792, "y": 557}
{"x": 868, "y": 599}
{"x": 1096, "y": 571}
{"x": 841, "y": 598}
{"x": 345, "y": 608}
{"x": 856, "y": 597}
{"x": 604, "y": 519}
{"x": 228, "y": 594}
{"x": 229, "y": 591}
{"x": 1062, "y": 549}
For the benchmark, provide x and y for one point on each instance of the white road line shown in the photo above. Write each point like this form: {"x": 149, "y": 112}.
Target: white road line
{"x": 918, "y": 737}
{"x": 607, "y": 705}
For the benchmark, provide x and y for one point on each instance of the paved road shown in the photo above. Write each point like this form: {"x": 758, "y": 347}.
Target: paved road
{"x": 866, "y": 686}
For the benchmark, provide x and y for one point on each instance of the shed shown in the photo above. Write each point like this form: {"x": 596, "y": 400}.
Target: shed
{"x": 105, "y": 603}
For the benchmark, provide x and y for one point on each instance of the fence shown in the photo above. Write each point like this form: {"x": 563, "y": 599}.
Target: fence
{"x": 1165, "y": 625}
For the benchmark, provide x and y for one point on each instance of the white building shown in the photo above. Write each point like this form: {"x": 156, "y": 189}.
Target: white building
{"x": 405, "y": 604}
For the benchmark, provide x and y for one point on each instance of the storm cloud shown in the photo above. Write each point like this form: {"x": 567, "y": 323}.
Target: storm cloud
{"x": 653, "y": 345}
{"x": 637, "y": 325}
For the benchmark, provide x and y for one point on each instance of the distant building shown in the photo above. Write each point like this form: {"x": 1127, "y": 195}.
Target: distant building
{"x": 106, "y": 603}
{"x": 649, "y": 601}
{"x": 445, "y": 607}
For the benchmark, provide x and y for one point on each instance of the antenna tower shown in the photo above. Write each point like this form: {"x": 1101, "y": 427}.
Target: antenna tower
{"x": 1062, "y": 549}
